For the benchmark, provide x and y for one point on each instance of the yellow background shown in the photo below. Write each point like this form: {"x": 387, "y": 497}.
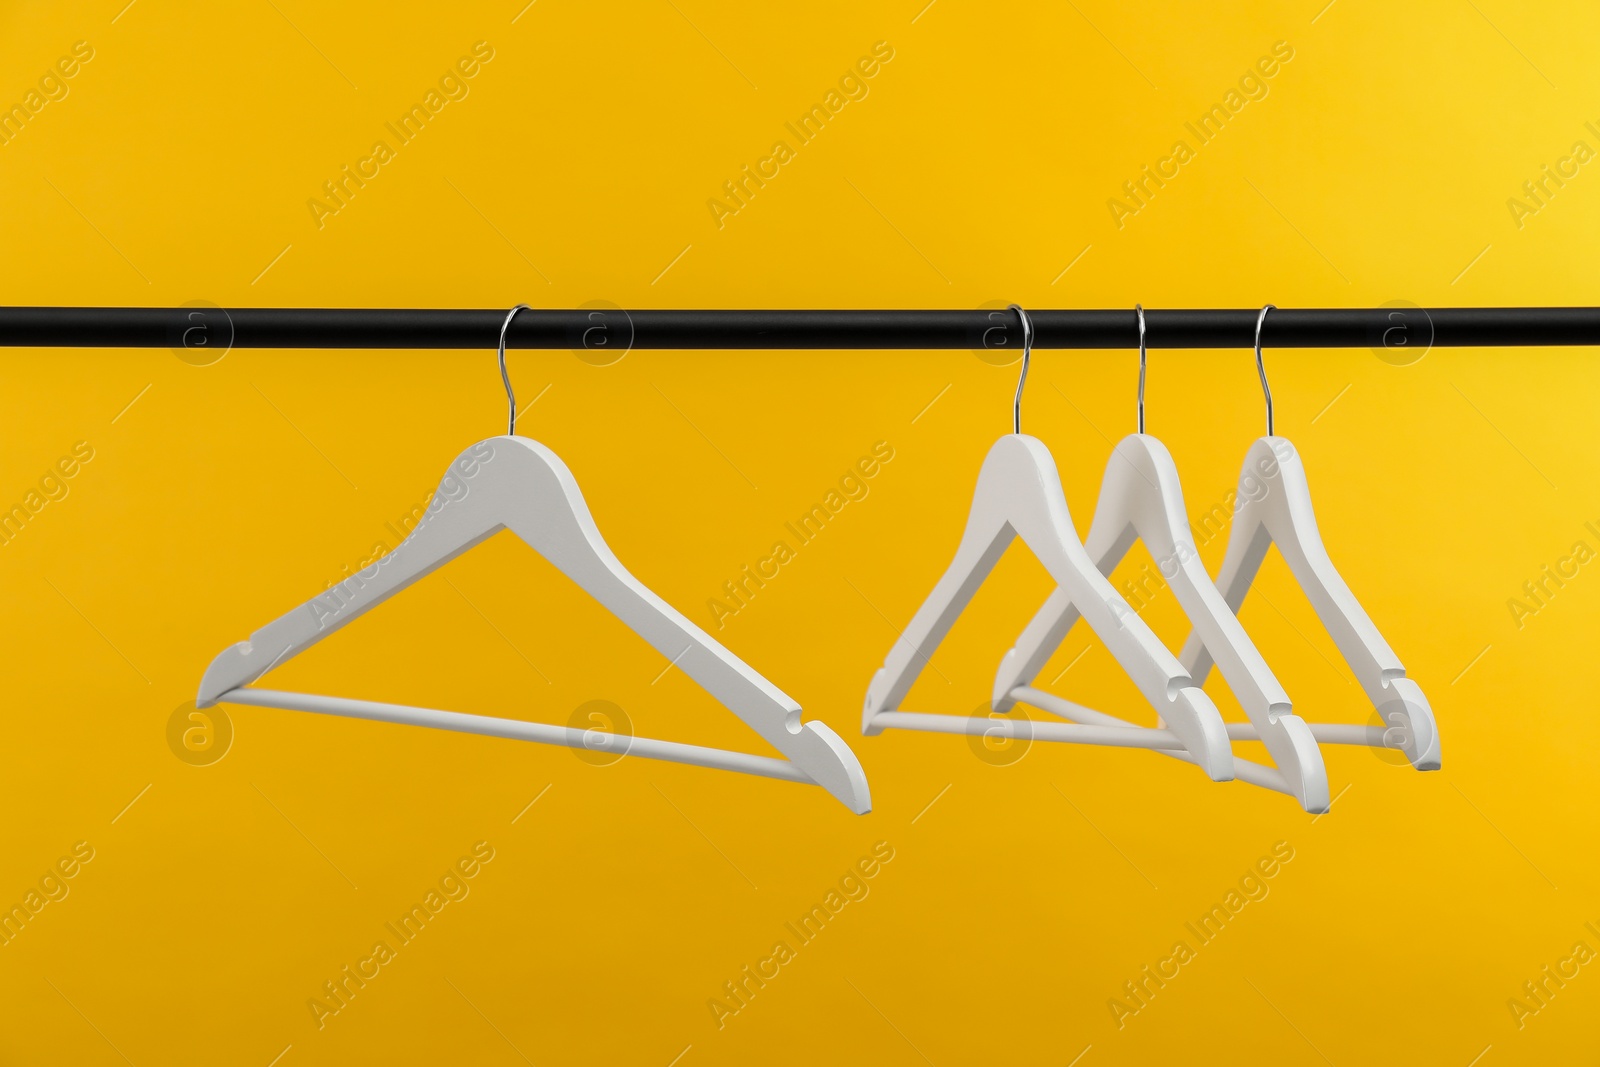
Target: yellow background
{"x": 977, "y": 170}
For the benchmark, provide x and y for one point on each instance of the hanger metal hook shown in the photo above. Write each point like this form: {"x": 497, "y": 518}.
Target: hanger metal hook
{"x": 511, "y": 400}
{"x": 1261, "y": 368}
{"x": 1139, "y": 310}
{"x": 1027, "y": 350}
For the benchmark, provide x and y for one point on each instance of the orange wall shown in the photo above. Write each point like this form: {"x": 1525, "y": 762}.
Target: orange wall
{"x": 581, "y": 160}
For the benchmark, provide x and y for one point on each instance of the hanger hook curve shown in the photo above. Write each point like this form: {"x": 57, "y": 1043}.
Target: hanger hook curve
{"x": 511, "y": 400}
{"x": 1139, "y": 310}
{"x": 1261, "y": 368}
{"x": 1027, "y": 350}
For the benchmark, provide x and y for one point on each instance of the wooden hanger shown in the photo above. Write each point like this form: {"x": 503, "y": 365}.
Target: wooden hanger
{"x": 517, "y": 484}
{"x": 1282, "y": 514}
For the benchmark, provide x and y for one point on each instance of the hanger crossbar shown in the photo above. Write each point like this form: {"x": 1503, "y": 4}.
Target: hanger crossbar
{"x": 618, "y": 330}
{"x": 1244, "y": 770}
{"x": 1115, "y": 733}
{"x": 516, "y": 730}
{"x": 1324, "y": 733}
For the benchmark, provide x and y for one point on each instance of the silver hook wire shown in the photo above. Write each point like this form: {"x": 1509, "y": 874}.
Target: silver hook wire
{"x": 1027, "y": 349}
{"x": 1261, "y": 368}
{"x": 511, "y": 400}
{"x": 1140, "y": 310}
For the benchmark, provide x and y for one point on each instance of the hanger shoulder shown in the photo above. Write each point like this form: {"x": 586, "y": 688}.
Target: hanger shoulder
{"x": 1292, "y": 522}
{"x": 1276, "y": 509}
{"x": 568, "y": 537}
{"x": 1282, "y": 508}
{"x": 984, "y": 540}
{"x": 1111, "y": 535}
{"x": 1044, "y": 523}
{"x": 461, "y": 514}
{"x": 1153, "y": 498}
{"x": 1157, "y": 508}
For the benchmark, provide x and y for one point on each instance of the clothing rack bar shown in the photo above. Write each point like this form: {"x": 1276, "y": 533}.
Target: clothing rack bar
{"x": 617, "y": 329}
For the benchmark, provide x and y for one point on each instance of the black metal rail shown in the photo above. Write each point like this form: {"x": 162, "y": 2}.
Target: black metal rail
{"x": 607, "y": 327}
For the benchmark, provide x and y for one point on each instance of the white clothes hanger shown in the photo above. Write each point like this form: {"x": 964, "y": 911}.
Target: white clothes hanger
{"x": 517, "y": 484}
{"x": 1019, "y": 494}
{"x": 1141, "y": 499}
{"x": 1282, "y": 514}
